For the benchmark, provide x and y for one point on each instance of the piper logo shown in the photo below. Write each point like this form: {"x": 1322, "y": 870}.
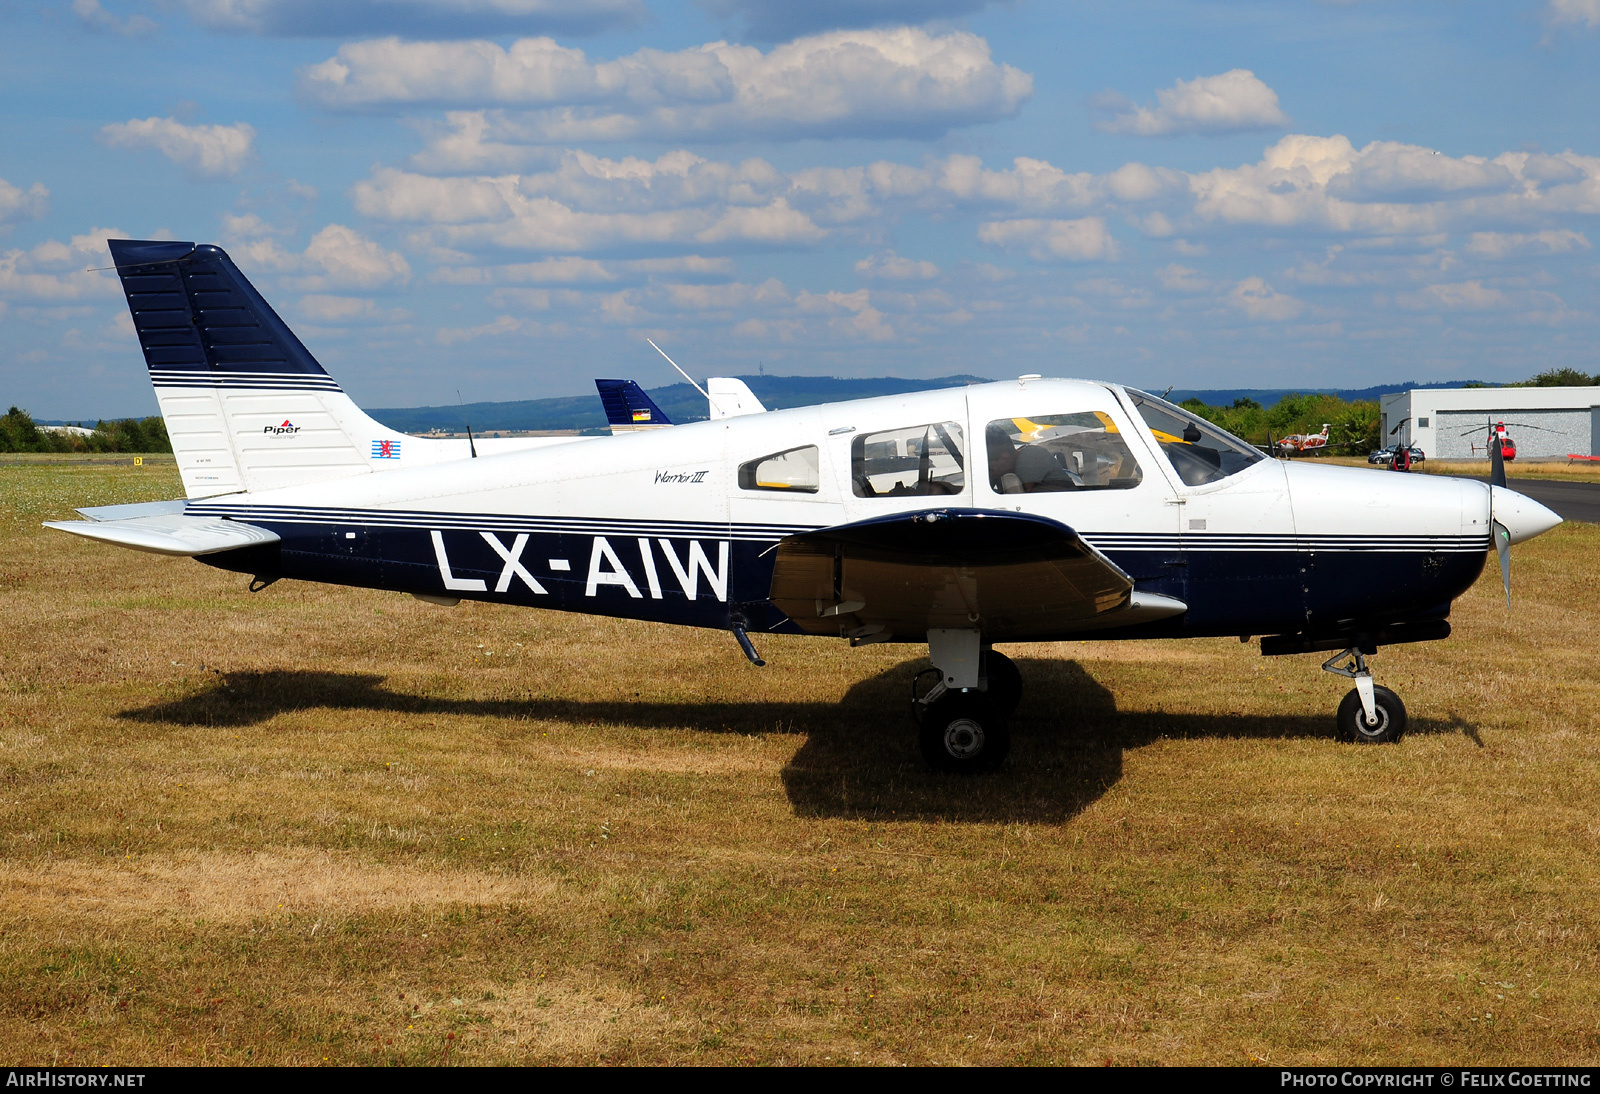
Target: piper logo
{"x": 278, "y": 430}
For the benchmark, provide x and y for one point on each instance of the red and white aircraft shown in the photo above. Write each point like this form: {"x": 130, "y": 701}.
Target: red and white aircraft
{"x": 1304, "y": 442}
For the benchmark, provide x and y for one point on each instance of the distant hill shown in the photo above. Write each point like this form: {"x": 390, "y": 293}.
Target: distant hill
{"x": 1268, "y": 396}
{"x": 684, "y": 404}
{"x": 681, "y": 402}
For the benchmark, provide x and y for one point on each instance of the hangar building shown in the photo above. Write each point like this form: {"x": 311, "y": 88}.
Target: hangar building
{"x": 1567, "y": 420}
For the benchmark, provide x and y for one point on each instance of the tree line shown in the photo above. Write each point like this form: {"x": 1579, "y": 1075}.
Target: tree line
{"x": 1355, "y": 426}
{"x": 19, "y": 433}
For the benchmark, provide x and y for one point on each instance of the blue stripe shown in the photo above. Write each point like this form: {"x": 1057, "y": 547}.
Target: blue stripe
{"x": 1111, "y": 541}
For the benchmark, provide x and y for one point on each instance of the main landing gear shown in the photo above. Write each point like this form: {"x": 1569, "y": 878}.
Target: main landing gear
{"x": 1370, "y": 714}
{"x": 962, "y": 719}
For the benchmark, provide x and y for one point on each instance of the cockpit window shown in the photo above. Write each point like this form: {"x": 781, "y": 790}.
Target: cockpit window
{"x": 1047, "y": 452}
{"x": 1198, "y": 451}
{"x": 900, "y": 463}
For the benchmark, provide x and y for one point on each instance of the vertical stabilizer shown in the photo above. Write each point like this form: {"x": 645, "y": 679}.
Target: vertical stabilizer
{"x": 731, "y": 398}
{"x": 628, "y": 408}
{"x": 246, "y": 404}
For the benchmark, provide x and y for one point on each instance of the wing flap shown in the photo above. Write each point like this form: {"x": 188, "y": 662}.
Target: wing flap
{"x": 170, "y": 534}
{"x": 137, "y": 509}
{"x": 1010, "y": 575}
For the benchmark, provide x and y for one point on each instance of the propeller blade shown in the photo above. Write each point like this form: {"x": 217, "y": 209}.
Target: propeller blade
{"x": 1497, "y": 464}
{"x": 1502, "y": 546}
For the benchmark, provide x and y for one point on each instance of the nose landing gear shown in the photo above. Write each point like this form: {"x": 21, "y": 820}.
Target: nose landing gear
{"x": 1370, "y": 714}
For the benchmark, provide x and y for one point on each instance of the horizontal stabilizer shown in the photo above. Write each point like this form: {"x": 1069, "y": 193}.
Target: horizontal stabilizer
{"x": 628, "y": 408}
{"x": 171, "y": 534}
{"x": 1011, "y": 575}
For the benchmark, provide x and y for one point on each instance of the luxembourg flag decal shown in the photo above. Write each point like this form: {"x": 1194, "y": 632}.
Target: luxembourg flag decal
{"x": 386, "y": 450}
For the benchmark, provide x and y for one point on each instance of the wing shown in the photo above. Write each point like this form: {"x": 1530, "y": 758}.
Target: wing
{"x": 1010, "y": 575}
{"x": 169, "y": 534}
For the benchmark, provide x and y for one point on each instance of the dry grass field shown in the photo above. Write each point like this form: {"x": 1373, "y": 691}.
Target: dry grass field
{"x": 1558, "y": 470}
{"x": 323, "y": 825}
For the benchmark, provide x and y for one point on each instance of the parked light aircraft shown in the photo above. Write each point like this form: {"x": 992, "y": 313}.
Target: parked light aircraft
{"x": 1026, "y": 510}
{"x": 1304, "y": 442}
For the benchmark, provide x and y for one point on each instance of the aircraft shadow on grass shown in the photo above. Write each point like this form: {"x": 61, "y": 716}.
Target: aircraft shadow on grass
{"x": 859, "y": 757}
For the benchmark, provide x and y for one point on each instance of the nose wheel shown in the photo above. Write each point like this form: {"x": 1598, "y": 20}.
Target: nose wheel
{"x": 1369, "y": 714}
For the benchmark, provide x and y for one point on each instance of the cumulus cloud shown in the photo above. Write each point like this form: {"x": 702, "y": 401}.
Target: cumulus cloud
{"x": 900, "y": 82}
{"x": 18, "y": 204}
{"x": 1228, "y": 103}
{"x": 204, "y": 151}
{"x": 504, "y": 324}
{"x": 348, "y": 259}
{"x": 590, "y": 203}
{"x": 781, "y": 20}
{"x": 1551, "y": 241}
{"x": 1261, "y": 302}
{"x": 414, "y": 18}
{"x": 572, "y": 270}
{"x": 1393, "y": 195}
{"x": 1387, "y": 171}
{"x": 324, "y": 308}
{"x": 1182, "y": 279}
{"x": 1456, "y": 296}
{"x": 56, "y": 272}
{"x": 1082, "y": 240}
{"x": 1325, "y": 183}
{"x": 338, "y": 259}
{"x": 888, "y": 266}
{"x": 92, "y": 15}
{"x": 1580, "y": 12}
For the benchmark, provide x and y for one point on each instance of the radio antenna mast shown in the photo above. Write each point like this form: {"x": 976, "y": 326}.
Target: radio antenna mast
{"x": 684, "y": 374}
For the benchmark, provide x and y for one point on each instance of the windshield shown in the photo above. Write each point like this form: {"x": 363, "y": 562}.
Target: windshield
{"x": 1198, "y": 451}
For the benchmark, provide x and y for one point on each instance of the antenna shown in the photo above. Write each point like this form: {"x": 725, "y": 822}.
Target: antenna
{"x": 684, "y": 374}
{"x": 471, "y": 447}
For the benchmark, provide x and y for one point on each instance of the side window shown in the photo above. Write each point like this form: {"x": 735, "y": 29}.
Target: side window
{"x": 917, "y": 460}
{"x": 1046, "y": 452}
{"x": 794, "y": 469}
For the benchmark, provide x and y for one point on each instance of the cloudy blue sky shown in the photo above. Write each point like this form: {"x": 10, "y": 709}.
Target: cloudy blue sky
{"x": 506, "y": 197}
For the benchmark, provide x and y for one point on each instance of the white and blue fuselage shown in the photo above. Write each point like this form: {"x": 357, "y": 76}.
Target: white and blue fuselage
{"x": 657, "y": 526}
{"x": 1026, "y": 510}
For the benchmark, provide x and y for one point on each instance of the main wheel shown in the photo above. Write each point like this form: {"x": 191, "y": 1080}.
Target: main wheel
{"x": 1352, "y": 720}
{"x": 964, "y": 731}
{"x": 1005, "y": 681}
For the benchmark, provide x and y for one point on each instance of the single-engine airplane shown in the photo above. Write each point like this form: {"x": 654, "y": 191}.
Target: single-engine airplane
{"x": 1303, "y": 442}
{"x": 1026, "y": 510}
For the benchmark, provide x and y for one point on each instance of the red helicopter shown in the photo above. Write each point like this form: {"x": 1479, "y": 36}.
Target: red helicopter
{"x": 1508, "y": 447}
{"x": 1499, "y": 438}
